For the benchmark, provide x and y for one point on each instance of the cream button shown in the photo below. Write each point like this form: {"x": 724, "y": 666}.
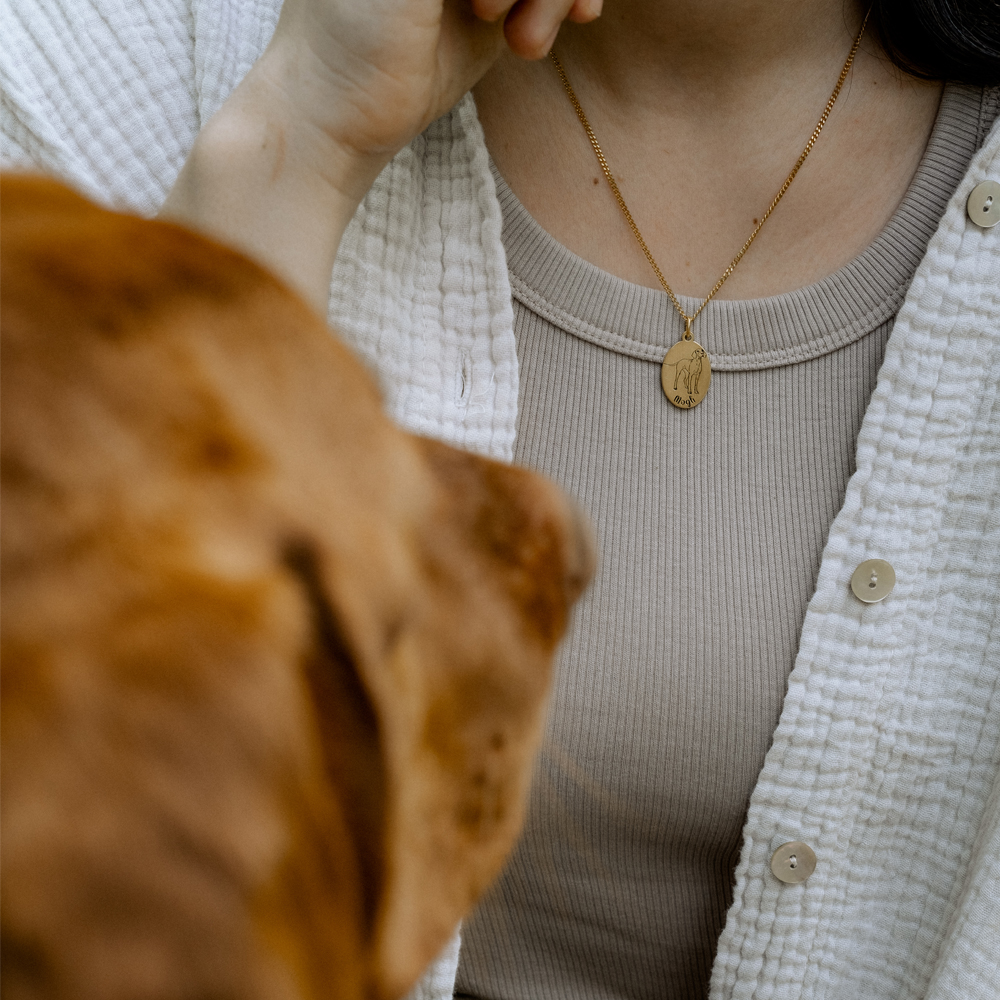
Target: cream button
{"x": 793, "y": 862}
{"x": 873, "y": 581}
{"x": 983, "y": 205}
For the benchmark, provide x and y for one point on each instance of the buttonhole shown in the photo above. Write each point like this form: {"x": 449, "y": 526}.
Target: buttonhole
{"x": 464, "y": 381}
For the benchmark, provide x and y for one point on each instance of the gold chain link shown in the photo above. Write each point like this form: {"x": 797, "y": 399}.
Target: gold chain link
{"x": 688, "y": 320}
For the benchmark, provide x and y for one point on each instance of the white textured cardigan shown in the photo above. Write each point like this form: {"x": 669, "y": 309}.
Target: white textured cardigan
{"x": 886, "y": 759}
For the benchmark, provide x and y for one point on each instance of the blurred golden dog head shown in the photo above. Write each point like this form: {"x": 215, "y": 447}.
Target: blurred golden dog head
{"x": 273, "y": 670}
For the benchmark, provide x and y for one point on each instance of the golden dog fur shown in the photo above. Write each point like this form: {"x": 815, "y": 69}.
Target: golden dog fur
{"x": 273, "y": 670}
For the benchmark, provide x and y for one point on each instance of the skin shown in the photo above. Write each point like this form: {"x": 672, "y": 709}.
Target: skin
{"x": 701, "y": 105}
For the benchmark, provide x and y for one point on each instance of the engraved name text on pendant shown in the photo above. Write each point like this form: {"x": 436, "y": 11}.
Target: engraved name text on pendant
{"x": 685, "y": 374}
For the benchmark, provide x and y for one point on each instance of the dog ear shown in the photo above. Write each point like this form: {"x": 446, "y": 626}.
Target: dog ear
{"x": 473, "y": 666}
{"x": 457, "y": 771}
{"x": 348, "y": 726}
{"x": 428, "y": 727}
{"x": 368, "y": 714}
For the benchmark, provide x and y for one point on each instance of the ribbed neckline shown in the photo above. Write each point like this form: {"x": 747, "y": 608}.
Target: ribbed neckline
{"x": 748, "y": 334}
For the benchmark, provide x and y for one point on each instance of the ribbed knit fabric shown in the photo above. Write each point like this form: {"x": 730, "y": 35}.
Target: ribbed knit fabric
{"x": 711, "y": 524}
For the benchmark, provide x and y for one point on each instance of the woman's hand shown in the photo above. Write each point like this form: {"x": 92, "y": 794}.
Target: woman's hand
{"x": 343, "y": 86}
{"x": 375, "y": 73}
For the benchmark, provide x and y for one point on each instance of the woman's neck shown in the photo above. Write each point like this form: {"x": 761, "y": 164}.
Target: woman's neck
{"x": 722, "y": 65}
{"x": 702, "y": 107}
{"x": 714, "y": 46}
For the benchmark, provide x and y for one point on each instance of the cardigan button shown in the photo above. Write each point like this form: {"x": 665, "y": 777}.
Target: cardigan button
{"x": 983, "y": 205}
{"x": 793, "y": 862}
{"x": 873, "y": 581}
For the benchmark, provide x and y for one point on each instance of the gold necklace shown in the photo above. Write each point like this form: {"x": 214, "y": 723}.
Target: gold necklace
{"x": 686, "y": 370}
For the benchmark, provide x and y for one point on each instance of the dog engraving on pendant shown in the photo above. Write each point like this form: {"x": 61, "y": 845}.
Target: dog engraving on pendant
{"x": 685, "y": 374}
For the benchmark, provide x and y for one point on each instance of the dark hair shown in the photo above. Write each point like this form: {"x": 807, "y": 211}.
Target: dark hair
{"x": 942, "y": 39}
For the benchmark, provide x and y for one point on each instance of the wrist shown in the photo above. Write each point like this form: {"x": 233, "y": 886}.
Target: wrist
{"x": 283, "y": 109}
{"x": 269, "y": 180}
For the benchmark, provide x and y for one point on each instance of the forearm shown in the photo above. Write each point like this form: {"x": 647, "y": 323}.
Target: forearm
{"x": 265, "y": 180}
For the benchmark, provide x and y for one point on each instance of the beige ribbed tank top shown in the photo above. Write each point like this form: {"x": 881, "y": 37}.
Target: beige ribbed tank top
{"x": 710, "y": 525}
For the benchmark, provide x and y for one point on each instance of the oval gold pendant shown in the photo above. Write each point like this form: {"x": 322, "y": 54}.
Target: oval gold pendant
{"x": 685, "y": 374}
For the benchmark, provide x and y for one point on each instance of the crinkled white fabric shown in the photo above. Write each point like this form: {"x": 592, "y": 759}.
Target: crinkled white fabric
{"x": 438, "y": 982}
{"x": 435, "y": 319}
{"x": 887, "y": 754}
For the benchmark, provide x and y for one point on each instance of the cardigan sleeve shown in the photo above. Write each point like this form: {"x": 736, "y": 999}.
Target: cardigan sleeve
{"x": 101, "y": 93}
{"x": 109, "y": 95}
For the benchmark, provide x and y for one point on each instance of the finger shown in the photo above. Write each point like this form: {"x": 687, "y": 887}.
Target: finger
{"x": 469, "y": 45}
{"x": 532, "y": 25}
{"x": 585, "y": 11}
{"x": 491, "y": 10}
